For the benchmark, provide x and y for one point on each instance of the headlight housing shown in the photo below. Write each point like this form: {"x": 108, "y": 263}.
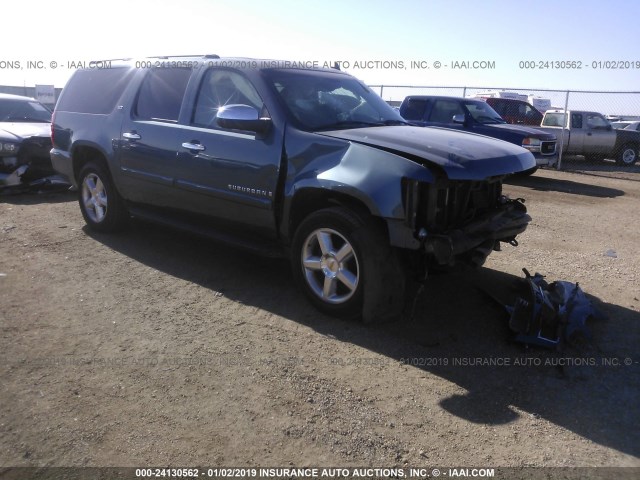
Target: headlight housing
{"x": 532, "y": 144}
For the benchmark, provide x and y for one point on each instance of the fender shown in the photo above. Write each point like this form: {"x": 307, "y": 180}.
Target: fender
{"x": 367, "y": 174}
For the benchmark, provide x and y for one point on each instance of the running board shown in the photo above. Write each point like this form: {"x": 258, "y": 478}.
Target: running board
{"x": 269, "y": 249}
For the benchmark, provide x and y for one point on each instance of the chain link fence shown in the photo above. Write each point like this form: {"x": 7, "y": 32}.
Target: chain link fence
{"x": 590, "y": 146}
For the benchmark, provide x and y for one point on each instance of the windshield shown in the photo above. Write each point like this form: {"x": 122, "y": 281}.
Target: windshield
{"x": 330, "y": 101}
{"x": 554, "y": 120}
{"x": 23, "y": 111}
{"x": 483, "y": 113}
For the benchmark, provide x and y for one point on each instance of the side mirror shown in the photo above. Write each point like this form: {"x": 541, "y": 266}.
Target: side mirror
{"x": 242, "y": 117}
{"x": 459, "y": 118}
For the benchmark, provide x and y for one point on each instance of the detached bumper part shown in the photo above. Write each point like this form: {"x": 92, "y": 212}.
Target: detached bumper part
{"x": 13, "y": 178}
{"x": 551, "y": 313}
{"x": 18, "y": 180}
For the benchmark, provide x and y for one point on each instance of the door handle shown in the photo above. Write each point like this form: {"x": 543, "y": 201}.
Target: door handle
{"x": 193, "y": 146}
{"x": 131, "y": 136}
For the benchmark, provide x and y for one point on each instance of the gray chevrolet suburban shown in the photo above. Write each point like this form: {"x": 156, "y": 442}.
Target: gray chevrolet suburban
{"x": 304, "y": 163}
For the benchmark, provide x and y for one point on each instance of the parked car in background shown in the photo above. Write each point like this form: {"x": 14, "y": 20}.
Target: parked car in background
{"x": 627, "y": 125}
{"x": 25, "y": 140}
{"x": 511, "y": 106}
{"x": 590, "y": 134}
{"x": 516, "y": 111}
{"x": 300, "y": 163}
{"x": 477, "y": 116}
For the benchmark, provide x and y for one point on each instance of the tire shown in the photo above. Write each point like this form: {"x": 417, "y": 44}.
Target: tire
{"x": 628, "y": 155}
{"x": 345, "y": 266}
{"x": 102, "y": 207}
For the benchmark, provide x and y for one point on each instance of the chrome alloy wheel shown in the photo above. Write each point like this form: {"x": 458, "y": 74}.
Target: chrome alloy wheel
{"x": 330, "y": 266}
{"x": 94, "y": 197}
{"x": 628, "y": 156}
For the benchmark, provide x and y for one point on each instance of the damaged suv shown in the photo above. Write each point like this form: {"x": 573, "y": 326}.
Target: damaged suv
{"x": 25, "y": 131}
{"x": 303, "y": 163}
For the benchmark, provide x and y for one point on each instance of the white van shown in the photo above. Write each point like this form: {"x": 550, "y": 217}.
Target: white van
{"x": 540, "y": 104}
{"x": 501, "y": 94}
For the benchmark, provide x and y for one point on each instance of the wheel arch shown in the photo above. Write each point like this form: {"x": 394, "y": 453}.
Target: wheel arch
{"x": 84, "y": 153}
{"x": 311, "y": 199}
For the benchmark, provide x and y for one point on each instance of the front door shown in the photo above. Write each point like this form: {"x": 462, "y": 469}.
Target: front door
{"x": 228, "y": 174}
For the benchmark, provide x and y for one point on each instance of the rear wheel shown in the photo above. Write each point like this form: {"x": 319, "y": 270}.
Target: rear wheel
{"x": 344, "y": 265}
{"x": 102, "y": 207}
{"x": 628, "y": 155}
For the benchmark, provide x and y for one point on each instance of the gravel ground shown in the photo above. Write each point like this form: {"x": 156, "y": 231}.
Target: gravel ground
{"x": 152, "y": 347}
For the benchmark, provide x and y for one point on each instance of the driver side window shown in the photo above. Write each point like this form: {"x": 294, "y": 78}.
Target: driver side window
{"x": 444, "y": 110}
{"x": 221, "y": 87}
{"x": 596, "y": 121}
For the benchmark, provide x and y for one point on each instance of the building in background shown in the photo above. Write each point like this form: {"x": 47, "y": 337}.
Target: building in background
{"x": 46, "y": 94}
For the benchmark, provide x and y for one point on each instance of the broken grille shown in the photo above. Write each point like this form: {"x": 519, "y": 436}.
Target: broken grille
{"x": 458, "y": 203}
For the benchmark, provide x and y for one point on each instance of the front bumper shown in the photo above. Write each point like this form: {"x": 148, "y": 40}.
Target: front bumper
{"x": 546, "y": 160}
{"x": 482, "y": 235}
{"x": 30, "y": 164}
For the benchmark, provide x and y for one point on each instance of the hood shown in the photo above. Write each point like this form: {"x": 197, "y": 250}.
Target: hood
{"x": 522, "y": 129}
{"x": 19, "y": 130}
{"x": 463, "y": 156}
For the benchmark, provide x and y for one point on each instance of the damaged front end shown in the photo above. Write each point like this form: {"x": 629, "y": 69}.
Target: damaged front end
{"x": 455, "y": 219}
{"x": 27, "y": 165}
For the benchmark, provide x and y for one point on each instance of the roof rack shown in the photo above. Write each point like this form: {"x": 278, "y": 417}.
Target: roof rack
{"x": 208, "y": 55}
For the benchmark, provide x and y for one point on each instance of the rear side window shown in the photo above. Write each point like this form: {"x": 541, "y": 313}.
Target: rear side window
{"x": 161, "y": 93}
{"x": 94, "y": 91}
{"x": 576, "y": 120}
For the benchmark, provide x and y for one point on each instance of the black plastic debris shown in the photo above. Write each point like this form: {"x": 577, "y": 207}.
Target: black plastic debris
{"x": 16, "y": 182}
{"x": 551, "y": 314}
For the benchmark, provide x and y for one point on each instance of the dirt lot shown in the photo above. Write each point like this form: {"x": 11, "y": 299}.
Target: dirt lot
{"x": 152, "y": 347}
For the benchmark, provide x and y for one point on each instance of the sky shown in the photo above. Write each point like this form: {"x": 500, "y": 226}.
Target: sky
{"x": 546, "y": 34}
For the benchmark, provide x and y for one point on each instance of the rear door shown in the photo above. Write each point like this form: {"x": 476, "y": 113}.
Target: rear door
{"x": 149, "y": 138}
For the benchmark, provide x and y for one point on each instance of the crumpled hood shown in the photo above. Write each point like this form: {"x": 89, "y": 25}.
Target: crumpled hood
{"x": 463, "y": 156}
{"x": 523, "y": 129}
{"x": 15, "y": 131}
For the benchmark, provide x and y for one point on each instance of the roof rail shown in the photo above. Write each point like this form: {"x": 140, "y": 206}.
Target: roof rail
{"x": 111, "y": 60}
{"x": 209, "y": 55}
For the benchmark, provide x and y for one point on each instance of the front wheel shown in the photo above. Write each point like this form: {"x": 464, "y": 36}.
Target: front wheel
{"x": 344, "y": 265}
{"x": 101, "y": 206}
{"x": 628, "y": 155}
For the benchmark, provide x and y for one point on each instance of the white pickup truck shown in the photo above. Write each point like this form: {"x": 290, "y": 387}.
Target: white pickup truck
{"x": 590, "y": 134}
